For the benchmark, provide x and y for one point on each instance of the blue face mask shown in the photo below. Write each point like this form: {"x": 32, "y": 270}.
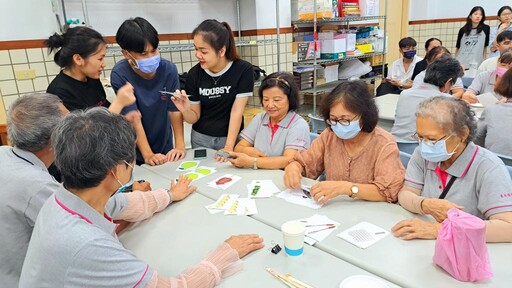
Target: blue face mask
{"x": 435, "y": 152}
{"x": 409, "y": 54}
{"x": 148, "y": 65}
{"x": 346, "y": 132}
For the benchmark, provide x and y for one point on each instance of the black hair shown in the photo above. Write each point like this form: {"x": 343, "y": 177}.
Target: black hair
{"x": 505, "y": 35}
{"x": 469, "y": 25}
{"x": 506, "y": 56}
{"x": 357, "y": 99}
{"x": 442, "y": 69}
{"x": 134, "y": 33}
{"x": 286, "y": 83}
{"x": 83, "y": 41}
{"x": 218, "y": 35}
{"x": 431, "y": 55}
{"x": 407, "y": 42}
{"x": 427, "y": 43}
{"x": 504, "y": 88}
{"x": 503, "y": 8}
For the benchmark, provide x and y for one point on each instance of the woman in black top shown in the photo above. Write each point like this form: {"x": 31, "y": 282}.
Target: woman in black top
{"x": 422, "y": 65}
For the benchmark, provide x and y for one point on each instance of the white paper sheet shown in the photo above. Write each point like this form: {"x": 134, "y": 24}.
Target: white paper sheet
{"x": 224, "y": 182}
{"x": 267, "y": 189}
{"x": 298, "y": 197}
{"x": 363, "y": 235}
{"x": 318, "y": 227}
{"x": 242, "y": 206}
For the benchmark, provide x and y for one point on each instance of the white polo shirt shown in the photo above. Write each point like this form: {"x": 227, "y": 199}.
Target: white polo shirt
{"x": 420, "y": 80}
{"x": 488, "y": 64}
{"x": 74, "y": 246}
{"x": 397, "y": 70}
{"x": 292, "y": 133}
{"x": 483, "y": 186}
{"x": 405, "y": 119}
{"x": 484, "y": 83}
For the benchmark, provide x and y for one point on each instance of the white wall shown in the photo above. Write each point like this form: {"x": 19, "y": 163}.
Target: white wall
{"x": 34, "y": 19}
{"x": 440, "y": 9}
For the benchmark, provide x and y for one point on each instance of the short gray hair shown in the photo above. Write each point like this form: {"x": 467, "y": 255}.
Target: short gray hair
{"x": 453, "y": 115}
{"x": 442, "y": 69}
{"x": 31, "y": 120}
{"x": 89, "y": 143}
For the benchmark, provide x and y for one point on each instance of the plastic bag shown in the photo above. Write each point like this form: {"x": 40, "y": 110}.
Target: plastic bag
{"x": 306, "y": 9}
{"x": 461, "y": 248}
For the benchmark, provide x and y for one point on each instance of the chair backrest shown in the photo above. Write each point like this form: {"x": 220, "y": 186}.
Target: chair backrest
{"x": 313, "y": 136}
{"x": 317, "y": 124}
{"x": 404, "y": 158}
{"x": 407, "y": 147}
{"x": 509, "y": 168}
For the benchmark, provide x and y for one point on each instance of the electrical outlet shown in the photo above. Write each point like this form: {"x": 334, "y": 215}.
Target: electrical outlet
{"x": 25, "y": 74}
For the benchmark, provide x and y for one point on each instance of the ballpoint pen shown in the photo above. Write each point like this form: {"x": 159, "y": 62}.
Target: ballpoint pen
{"x": 329, "y": 227}
{"x": 174, "y": 93}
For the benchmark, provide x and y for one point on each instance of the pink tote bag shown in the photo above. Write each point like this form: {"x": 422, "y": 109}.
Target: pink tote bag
{"x": 461, "y": 248}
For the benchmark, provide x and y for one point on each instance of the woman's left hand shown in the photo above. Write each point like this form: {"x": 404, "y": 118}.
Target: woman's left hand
{"x": 416, "y": 229}
{"x": 242, "y": 160}
{"x": 327, "y": 190}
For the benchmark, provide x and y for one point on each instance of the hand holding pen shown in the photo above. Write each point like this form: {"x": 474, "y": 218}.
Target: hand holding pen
{"x": 180, "y": 99}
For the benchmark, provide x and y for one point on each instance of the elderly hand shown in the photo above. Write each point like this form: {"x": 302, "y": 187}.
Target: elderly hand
{"x": 223, "y": 159}
{"x": 292, "y": 176}
{"x": 438, "y": 208}
{"x": 469, "y": 97}
{"x": 155, "y": 159}
{"x": 176, "y": 154}
{"x": 245, "y": 244}
{"x": 181, "y": 189}
{"x": 242, "y": 160}
{"x": 141, "y": 186}
{"x": 327, "y": 190}
{"x": 416, "y": 229}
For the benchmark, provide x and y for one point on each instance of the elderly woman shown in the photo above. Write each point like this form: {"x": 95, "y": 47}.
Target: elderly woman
{"x": 360, "y": 159}
{"x": 273, "y": 137}
{"x": 449, "y": 171}
{"x": 95, "y": 151}
{"x": 494, "y": 127}
{"x": 485, "y": 81}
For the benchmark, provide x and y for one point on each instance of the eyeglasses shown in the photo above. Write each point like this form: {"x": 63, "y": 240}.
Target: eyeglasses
{"x": 421, "y": 139}
{"x": 332, "y": 122}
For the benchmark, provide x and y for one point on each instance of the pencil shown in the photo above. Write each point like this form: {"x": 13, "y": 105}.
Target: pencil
{"x": 174, "y": 93}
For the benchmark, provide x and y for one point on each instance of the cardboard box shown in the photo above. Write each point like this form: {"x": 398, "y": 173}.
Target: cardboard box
{"x": 333, "y": 49}
{"x": 302, "y": 51}
{"x": 308, "y": 99}
{"x": 376, "y": 60}
{"x": 365, "y": 48}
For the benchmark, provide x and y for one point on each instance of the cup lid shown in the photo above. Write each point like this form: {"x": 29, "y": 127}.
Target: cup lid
{"x": 366, "y": 281}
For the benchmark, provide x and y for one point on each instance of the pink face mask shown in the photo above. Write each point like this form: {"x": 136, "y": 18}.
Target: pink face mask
{"x": 500, "y": 71}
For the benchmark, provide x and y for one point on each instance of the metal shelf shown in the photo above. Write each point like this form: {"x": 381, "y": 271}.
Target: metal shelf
{"x": 190, "y": 47}
{"x": 327, "y": 61}
{"x": 337, "y": 19}
{"x": 327, "y": 87}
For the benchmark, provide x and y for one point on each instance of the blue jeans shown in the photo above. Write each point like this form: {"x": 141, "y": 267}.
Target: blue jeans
{"x": 201, "y": 140}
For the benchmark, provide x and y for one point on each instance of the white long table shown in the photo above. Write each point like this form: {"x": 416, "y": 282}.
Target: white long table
{"x": 387, "y": 107}
{"x": 405, "y": 263}
{"x": 182, "y": 234}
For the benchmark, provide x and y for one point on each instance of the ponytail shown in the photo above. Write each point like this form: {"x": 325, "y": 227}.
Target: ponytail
{"x": 218, "y": 35}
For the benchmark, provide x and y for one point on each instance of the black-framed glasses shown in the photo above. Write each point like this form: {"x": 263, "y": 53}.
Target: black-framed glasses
{"x": 421, "y": 139}
{"x": 332, "y": 122}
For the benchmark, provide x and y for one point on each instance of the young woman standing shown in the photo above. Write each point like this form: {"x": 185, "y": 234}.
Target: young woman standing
{"x": 219, "y": 86}
{"x": 473, "y": 39}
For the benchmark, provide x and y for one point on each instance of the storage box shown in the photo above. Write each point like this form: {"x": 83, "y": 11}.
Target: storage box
{"x": 333, "y": 49}
{"x": 331, "y": 72}
{"x": 350, "y": 39}
{"x": 376, "y": 60}
{"x": 308, "y": 99}
{"x": 365, "y": 48}
{"x": 302, "y": 51}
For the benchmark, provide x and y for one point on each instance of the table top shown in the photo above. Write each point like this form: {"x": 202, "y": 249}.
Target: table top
{"x": 387, "y": 106}
{"x": 411, "y": 264}
{"x": 186, "y": 231}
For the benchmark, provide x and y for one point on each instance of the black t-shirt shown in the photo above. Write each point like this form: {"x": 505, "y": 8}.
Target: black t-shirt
{"x": 418, "y": 68}
{"x": 216, "y": 94}
{"x": 76, "y": 94}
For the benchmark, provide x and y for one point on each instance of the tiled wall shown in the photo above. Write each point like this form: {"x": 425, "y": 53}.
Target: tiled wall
{"x": 447, "y": 32}
{"x": 264, "y": 56}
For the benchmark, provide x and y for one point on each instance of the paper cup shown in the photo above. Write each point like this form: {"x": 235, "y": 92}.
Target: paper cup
{"x": 293, "y": 235}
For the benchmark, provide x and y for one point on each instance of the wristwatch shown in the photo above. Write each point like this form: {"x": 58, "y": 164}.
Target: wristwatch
{"x": 401, "y": 86}
{"x": 354, "y": 190}
{"x": 254, "y": 163}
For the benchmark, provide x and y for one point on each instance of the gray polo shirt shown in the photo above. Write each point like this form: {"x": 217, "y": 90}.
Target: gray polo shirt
{"x": 405, "y": 120}
{"x": 494, "y": 129}
{"x": 484, "y": 83}
{"x": 420, "y": 80}
{"x": 483, "y": 186}
{"x": 292, "y": 133}
{"x": 74, "y": 246}
{"x": 26, "y": 184}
